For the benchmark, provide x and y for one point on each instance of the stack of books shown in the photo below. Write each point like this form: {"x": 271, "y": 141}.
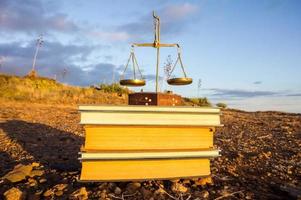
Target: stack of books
{"x": 147, "y": 142}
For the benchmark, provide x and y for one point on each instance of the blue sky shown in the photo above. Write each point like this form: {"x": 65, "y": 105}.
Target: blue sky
{"x": 247, "y": 53}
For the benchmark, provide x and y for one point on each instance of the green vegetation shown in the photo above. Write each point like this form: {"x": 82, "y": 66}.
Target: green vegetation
{"x": 198, "y": 101}
{"x": 114, "y": 88}
{"x": 48, "y": 90}
{"x": 221, "y": 105}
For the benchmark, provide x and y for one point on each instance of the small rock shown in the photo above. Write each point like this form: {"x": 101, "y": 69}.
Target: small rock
{"x": 117, "y": 191}
{"x": 48, "y": 193}
{"x": 80, "y": 194}
{"x": 203, "y": 181}
{"x": 19, "y": 173}
{"x": 60, "y": 187}
{"x": 14, "y": 194}
{"x": 59, "y": 193}
{"x": 32, "y": 182}
{"x": 112, "y": 186}
{"x": 103, "y": 194}
{"x": 178, "y": 187}
{"x": 133, "y": 187}
{"x": 43, "y": 180}
{"x": 35, "y": 164}
{"x": 36, "y": 172}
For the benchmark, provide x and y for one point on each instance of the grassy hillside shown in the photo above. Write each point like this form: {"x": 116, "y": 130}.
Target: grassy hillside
{"x": 48, "y": 90}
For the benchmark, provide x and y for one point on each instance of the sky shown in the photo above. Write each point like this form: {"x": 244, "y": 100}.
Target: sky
{"x": 247, "y": 54}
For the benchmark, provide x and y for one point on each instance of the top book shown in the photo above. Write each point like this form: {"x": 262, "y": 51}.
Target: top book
{"x": 149, "y": 115}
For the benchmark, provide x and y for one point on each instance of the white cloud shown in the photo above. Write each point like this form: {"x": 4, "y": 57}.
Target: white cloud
{"x": 111, "y": 36}
{"x": 180, "y": 11}
{"x": 279, "y": 103}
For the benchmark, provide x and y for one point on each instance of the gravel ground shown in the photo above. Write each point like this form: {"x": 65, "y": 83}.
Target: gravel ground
{"x": 261, "y": 158}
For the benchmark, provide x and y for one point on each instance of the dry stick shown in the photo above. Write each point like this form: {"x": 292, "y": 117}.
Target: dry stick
{"x": 165, "y": 191}
{"x": 226, "y": 195}
{"x": 224, "y": 178}
{"x": 123, "y": 195}
{"x": 264, "y": 136}
{"x": 188, "y": 197}
{"x": 113, "y": 196}
{"x": 129, "y": 195}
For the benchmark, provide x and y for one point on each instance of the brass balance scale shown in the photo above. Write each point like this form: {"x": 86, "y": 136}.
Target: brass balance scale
{"x": 137, "y": 82}
{"x": 138, "y": 142}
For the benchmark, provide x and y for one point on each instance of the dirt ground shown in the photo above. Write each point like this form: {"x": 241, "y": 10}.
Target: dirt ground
{"x": 261, "y": 158}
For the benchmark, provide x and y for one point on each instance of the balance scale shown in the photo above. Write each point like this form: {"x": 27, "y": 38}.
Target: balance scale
{"x": 154, "y": 137}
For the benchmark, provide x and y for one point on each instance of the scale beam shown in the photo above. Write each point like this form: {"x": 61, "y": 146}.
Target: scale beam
{"x": 155, "y": 45}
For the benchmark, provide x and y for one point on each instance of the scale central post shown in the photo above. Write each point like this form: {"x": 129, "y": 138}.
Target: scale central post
{"x": 156, "y": 44}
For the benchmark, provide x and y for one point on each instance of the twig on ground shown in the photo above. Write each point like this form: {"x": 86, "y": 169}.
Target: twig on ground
{"x": 123, "y": 195}
{"x": 115, "y": 197}
{"x": 226, "y": 195}
{"x": 224, "y": 178}
{"x": 264, "y": 136}
{"x": 165, "y": 191}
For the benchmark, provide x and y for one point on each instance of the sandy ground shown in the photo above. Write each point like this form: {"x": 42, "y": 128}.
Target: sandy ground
{"x": 261, "y": 157}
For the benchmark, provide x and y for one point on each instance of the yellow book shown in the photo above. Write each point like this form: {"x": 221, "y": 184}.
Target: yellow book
{"x": 147, "y": 138}
{"x": 150, "y": 115}
{"x": 123, "y": 170}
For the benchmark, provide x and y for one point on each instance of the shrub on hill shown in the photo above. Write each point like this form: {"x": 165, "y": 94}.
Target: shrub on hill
{"x": 198, "y": 101}
{"x": 221, "y": 105}
{"x": 114, "y": 88}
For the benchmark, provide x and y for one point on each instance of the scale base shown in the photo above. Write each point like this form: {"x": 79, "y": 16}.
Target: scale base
{"x": 155, "y": 99}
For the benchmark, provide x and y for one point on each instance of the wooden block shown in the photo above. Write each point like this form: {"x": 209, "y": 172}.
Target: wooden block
{"x": 144, "y": 169}
{"x": 147, "y": 138}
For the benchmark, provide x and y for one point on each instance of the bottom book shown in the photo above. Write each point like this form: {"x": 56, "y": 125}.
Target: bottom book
{"x": 124, "y": 170}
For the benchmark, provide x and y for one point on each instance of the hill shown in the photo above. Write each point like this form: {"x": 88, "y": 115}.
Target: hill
{"x": 45, "y": 90}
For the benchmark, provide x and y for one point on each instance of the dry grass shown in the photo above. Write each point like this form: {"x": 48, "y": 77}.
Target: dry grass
{"x": 44, "y": 90}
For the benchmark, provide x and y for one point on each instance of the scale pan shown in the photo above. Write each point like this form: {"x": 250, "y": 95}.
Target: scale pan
{"x": 179, "y": 81}
{"x": 132, "y": 82}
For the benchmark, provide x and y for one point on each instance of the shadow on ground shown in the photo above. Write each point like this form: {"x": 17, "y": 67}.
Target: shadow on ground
{"x": 52, "y": 147}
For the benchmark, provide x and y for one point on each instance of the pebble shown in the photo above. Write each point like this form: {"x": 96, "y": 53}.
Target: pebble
{"x": 43, "y": 180}
{"x": 36, "y": 172}
{"x": 59, "y": 193}
{"x": 133, "y": 187}
{"x": 117, "y": 191}
{"x": 203, "y": 181}
{"x": 32, "y": 182}
{"x": 48, "y": 193}
{"x": 80, "y": 194}
{"x": 19, "y": 173}
{"x": 14, "y": 194}
{"x": 60, "y": 187}
{"x": 35, "y": 164}
{"x": 178, "y": 188}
